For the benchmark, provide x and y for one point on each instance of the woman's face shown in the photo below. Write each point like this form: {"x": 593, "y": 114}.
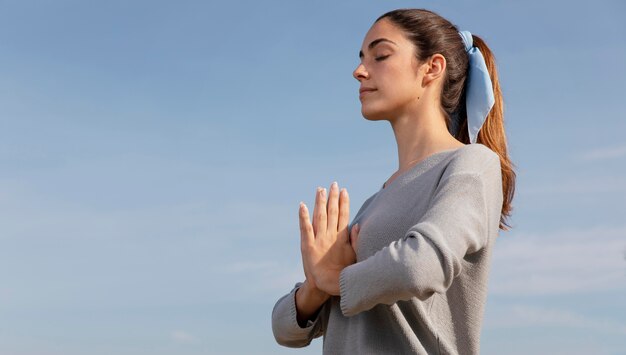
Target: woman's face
{"x": 389, "y": 67}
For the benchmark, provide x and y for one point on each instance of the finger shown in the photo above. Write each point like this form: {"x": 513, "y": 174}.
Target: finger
{"x": 319, "y": 213}
{"x": 333, "y": 207}
{"x": 316, "y": 211}
{"x": 354, "y": 235}
{"x": 306, "y": 229}
{"x": 344, "y": 214}
{"x": 314, "y": 220}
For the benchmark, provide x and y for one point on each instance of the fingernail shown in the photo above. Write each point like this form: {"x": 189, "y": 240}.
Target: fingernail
{"x": 324, "y": 192}
{"x": 334, "y": 185}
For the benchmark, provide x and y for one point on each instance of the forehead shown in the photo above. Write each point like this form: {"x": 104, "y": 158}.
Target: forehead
{"x": 384, "y": 29}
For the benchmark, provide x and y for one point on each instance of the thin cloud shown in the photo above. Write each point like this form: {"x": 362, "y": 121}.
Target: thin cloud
{"x": 258, "y": 278}
{"x": 532, "y": 316}
{"x": 248, "y": 266}
{"x": 561, "y": 262}
{"x": 604, "y": 153}
{"x": 181, "y": 336}
{"x": 577, "y": 185}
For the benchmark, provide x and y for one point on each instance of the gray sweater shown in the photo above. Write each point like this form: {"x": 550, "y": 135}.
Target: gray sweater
{"x": 420, "y": 281}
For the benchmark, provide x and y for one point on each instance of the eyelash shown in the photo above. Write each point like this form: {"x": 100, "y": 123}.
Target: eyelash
{"x": 381, "y": 58}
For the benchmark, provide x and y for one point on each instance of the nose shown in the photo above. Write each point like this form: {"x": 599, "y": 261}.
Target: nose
{"x": 360, "y": 73}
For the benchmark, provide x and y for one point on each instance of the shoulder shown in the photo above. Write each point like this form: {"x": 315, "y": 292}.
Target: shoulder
{"x": 474, "y": 170}
{"x": 474, "y": 159}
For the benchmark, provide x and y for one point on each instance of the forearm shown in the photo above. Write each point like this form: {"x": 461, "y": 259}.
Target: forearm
{"x": 308, "y": 302}
{"x": 285, "y": 318}
{"x": 407, "y": 268}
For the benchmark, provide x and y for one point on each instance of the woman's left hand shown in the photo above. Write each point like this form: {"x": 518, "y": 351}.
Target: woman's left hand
{"x": 325, "y": 243}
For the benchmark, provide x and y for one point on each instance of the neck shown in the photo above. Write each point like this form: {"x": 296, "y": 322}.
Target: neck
{"x": 420, "y": 134}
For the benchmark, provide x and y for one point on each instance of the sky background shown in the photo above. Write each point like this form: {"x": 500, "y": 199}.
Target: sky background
{"x": 153, "y": 155}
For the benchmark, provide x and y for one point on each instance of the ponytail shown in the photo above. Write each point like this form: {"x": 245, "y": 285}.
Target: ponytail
{"x": 492, "y": 134}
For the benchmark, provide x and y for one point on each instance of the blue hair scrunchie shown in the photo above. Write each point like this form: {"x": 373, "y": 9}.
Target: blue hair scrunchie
{"x": 479, "y": 98}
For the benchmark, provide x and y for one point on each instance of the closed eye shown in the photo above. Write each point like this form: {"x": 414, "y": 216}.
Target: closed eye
{"x": 382, "y": 58}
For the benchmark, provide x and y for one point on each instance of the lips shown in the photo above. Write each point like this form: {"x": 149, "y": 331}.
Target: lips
{"x": 364, "y": 91}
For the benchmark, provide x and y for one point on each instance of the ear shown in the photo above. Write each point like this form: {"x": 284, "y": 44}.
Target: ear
{"x": 435, "y": 68}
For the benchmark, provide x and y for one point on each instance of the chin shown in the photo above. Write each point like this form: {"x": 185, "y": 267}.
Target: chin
{"x": 374, "y": 114}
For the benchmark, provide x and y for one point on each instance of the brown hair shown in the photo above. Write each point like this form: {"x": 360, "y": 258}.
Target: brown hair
{"x": 431, "y": 33}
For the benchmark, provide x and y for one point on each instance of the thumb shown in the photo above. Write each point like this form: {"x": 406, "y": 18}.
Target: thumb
{"x": 354, "y": 234}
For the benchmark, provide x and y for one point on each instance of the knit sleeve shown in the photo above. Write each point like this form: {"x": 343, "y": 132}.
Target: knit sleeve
{"x": 429, "y": 256}
{"x": 287, "y": 331}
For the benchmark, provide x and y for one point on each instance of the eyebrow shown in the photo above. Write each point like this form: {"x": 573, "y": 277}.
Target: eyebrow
{"x": 374, "y": 43}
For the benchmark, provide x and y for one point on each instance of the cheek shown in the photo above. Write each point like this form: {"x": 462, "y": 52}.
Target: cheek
{"x": 407, "y": 82}
{"x": 399, "y": 93}
{"x": 400, "y": 85}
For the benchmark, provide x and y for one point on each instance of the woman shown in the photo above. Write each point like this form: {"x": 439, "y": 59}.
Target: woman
{"x": 409, "y": 275}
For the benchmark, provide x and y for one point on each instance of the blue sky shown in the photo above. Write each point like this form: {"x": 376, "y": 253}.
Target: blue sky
{"x": 153, "y": 155}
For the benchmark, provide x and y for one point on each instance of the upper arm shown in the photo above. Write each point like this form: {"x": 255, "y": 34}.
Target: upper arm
{"x": 430, "y": 255}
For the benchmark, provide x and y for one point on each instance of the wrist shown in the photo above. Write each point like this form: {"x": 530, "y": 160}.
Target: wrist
{"x": 328, "y": 282}
{"x": 313, "y": 293}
